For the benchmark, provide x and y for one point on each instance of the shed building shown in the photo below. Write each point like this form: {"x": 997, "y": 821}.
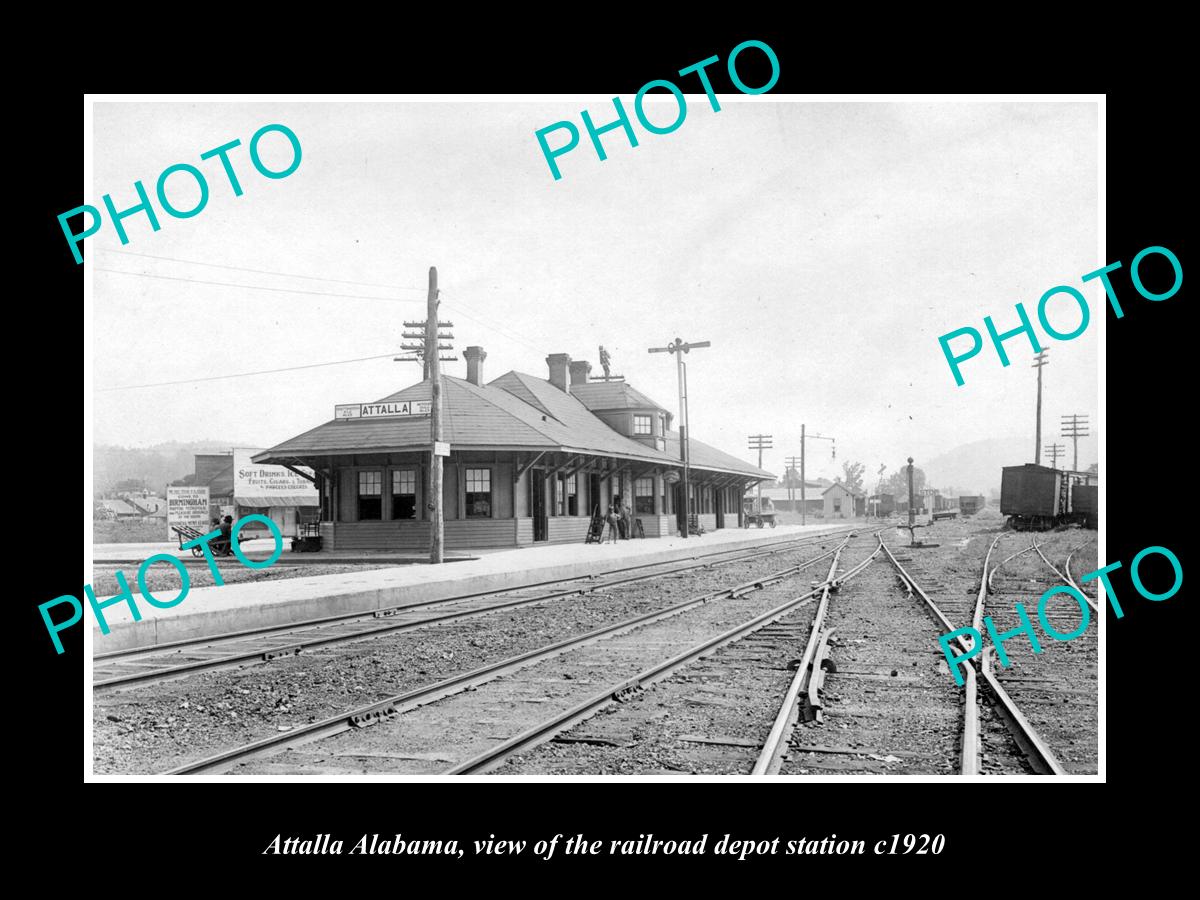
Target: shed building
{"x": 843, "y": 501}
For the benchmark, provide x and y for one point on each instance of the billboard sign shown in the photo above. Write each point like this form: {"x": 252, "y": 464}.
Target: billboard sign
{"x": 187, "y": 506}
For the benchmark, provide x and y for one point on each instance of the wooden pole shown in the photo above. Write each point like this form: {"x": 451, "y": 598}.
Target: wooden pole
{"x": 437, "y": 529}
{"x": 803, "y": 499}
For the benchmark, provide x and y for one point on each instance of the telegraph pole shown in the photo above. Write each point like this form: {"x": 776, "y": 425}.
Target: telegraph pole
{"x": 911, "y": 512}
{"x": 803, "y": 439}
{"x": 1075, "y": 426}
{"x": 433, "y": 364}
{"x": 760, "y": 442}
{"x": 792, "y": 463}
{"x": 1039, "y": 361}
{"x": 428, "y": 353}
{"x": 678, "y": 347}
{"x": 803, "y": 501}
{"x": 1054, "y": 451}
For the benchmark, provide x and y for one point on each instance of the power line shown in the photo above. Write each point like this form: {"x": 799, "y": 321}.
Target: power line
{"x": 338, "y": 362}
{"x": 195, "y": 262}
{"x": 255, "y": 287}
{"x": 503, "y": 332}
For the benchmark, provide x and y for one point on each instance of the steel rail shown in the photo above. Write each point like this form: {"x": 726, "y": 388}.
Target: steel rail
{"x": 267, "y": 630}
{"x": 373, "y": 712}
{"x": 267, "y": 654}
{"x": 496, "y": 755}
{"x": 1074, "y": 583}
{"x": 1044, "y": 761}
{"x": 778, "y": 546}
{"x": 770, "y": 757}
{"x": 969, "y": 759}
{"x": 1065, "y": 577}
{"x": 996, "y": 568}
{"x": 1027, "y": 738}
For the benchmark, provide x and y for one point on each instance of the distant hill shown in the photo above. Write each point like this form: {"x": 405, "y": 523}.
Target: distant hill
{"x": 158, "y": 465}
{"x": 975, "y": 467}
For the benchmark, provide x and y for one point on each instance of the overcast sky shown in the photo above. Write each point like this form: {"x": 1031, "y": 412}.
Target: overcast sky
{"x": 822, "y": 249}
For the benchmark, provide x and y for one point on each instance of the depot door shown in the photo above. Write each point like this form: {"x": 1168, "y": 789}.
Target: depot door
{"x": 537, "y": 503}
{"x": 719, "y": 506}
{"x": 594, "y": 494}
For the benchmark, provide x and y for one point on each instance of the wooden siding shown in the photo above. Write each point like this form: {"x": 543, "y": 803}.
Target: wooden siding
{"x": 524, "y": 531}
{"x": 567, "y": 529}
{"x": 658, "y": 526}
{"x": 413, "y": 535}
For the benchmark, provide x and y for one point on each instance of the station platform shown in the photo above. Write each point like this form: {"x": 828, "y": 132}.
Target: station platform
{"x": 258, "y": 550}
{"x": 210, "y": 611}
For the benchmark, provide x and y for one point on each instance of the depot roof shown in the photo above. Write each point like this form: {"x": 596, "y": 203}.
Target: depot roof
{"x": 609, "y": 395}
{"x": 514, "y": 412}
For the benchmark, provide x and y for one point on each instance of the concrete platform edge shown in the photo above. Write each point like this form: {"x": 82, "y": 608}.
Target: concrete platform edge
{"x": 166, "y": 628}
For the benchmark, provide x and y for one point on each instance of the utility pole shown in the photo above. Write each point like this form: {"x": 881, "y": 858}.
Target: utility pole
{"x": 1039, "y": 361}
{"x": 911, "y": 512}
{"x": 1075, "y": 426}
{"x": 1054, "y": 451}
{"x": 428, "y": 353}
{"x": 433, "y": 365}
{"x": 792, "y": 463}
{"x": 760, "y": 442}
{"x": 678, "y": 347}
{"x": 803, "y": 439}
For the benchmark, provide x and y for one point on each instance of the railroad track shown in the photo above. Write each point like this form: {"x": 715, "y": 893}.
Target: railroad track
{"x": 887, "y": 703}
{"x": 920, "y": 738}
{"x": 1055, "y": 690}
{"x": 1095, "y": 596}
{"x": 1065, "y": 573}
{"x": 614, "y": 656}
{"x": 894, "y": 706}
{"x": 254, "y": 646}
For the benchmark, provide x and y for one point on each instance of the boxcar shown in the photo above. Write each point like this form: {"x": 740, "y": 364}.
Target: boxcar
{"x": 1032, "y": 497}
{"x": 1085, "y": 506}
{"x": 968, "y": 505}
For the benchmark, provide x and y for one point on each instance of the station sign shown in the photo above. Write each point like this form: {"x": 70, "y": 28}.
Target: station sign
{"x": 382, "y": 410}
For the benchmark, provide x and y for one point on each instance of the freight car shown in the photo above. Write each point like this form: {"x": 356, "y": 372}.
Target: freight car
{"x": 883, "y": 504}
{"x": 969, "y": 504}
{"x": 1085, "y": 504}
{"x": 1037, "y": 498}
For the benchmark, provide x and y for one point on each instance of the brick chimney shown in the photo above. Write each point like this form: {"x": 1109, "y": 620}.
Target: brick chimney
{"x": 579, "y": 371}
{"x": 559, "y": 363}
{"x": 475, "y": 357}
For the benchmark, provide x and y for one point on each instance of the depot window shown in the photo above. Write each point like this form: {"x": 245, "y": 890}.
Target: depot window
{"x": 370, "y": 495}
{"x": 643, "y": 493}
{"x": 479, "y": 493}
{"x": 642, "y": 425}
{"x": 404, "y": 493}
{"x": 571, "y": 488}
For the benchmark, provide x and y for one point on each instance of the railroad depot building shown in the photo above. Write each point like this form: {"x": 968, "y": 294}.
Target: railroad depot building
{"x": 531, "y": 460}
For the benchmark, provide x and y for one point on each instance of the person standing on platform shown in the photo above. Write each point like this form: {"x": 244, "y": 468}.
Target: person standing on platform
{"x": 226, "y": 540}
{"x": 627, "y": 518}
{"x": 614, "y": 518}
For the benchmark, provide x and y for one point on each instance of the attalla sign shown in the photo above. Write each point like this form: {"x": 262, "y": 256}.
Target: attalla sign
{"x": 382, "y": 410}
